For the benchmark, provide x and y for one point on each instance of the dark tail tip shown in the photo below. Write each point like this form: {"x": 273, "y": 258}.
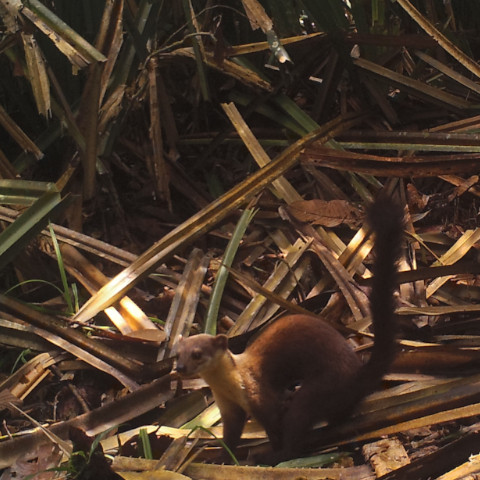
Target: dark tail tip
{"x": 386, "y": 218}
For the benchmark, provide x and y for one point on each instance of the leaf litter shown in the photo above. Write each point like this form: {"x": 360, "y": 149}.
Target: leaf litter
{"x": 323, "y": 156}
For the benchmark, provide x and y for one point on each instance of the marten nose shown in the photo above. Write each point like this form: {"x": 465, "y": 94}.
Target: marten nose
{"x": 180, "y": 368}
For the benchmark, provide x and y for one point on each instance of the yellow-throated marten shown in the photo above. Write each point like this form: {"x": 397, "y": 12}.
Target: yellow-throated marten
{"x": 300, "y": 370}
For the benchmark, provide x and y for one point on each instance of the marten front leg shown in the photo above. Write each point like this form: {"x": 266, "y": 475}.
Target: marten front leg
{"x": 233, "y": 418}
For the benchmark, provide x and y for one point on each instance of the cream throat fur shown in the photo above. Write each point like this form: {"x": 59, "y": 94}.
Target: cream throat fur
{"x": 228, "y": 380}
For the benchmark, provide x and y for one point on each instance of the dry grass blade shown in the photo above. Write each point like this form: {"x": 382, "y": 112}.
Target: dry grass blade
{"x": 73, "y": 341}
{"x": 341, "y": 277}
{"x": 128, "y": 318}
{"x": 257, "y": 16}
{"x": 206, "y": 218}
{"x": 37, "y": 74}
{"x": 268, "y": 294}
{"x": 44, "y": 202}
{"x": 18, "y": 134}
{"x": 428, "y": 166}
{"x": 448, "y": 71}
{"x": 343, "y": 280}
{"x": 7, "y": 398}
{"x": 232, "y": 69}
{"x": 158, "y": 162}
{"x": 443, "y": 41}
{"x": 175, "y": 455}
{"x": 198, "y": 48}
{"x": 439, "y": 310}
{"x": 100, "y": 249}
{"x": 6, "y": 169}
{"x": 88, "y": 118}
{"x": 281, "y": 185}
{"x": 459, "y": 181}
{"x": 79, "y": 240}
{"x": 286, "y": 289}
{"x": 64, "y": 446}
{"x": 444, "y": 416}
{"x": 141, "y": 468}
{"x": 72, "y": 45}
{"x": 259, "y": 19}
{"x": 400, "y": 411}
{"x": 415, "y": 87}
{"x": 461, "y": 247}
{"x": 435, "y": 358}
{"x": 355, "y": 252}
{"x": 418, "y": 141}
{"x": 220, "y": 472}
{"x": 464, "y": 125}
{"x": 99, "y": 420}
{"x": 110, "y": 40}
{"x": 184, "y": 305}
{"x": 463, "y": 471}
{"x": 17, "y": 335}
{"x": 247, "y": 48}
{"x": 249, "y": 316}
{"x": 28, "y": 376}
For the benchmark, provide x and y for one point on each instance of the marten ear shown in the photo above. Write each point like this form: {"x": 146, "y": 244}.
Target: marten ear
{"x": 221, "y": 342}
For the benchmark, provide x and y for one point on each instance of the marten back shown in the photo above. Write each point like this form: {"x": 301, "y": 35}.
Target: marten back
{"x": 300, "y": 370}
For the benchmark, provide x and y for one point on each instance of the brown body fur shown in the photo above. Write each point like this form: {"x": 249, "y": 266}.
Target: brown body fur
{"x": 300, "y": 370}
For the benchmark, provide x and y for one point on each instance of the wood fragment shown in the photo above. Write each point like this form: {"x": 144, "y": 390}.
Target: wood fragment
{"x": 385, "y": 455}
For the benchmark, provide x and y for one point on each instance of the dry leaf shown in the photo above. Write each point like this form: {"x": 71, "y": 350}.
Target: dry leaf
{"x": 326, "y": 213}
{"x": 416, "y": 200}
{"x": 38, "y": 462}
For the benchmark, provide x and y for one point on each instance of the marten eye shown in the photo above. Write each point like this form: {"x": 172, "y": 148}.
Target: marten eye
{"x": 197, "y": 354}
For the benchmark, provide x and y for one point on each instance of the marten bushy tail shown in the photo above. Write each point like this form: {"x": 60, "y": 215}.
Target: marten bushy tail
{"x": 386, "y": 220}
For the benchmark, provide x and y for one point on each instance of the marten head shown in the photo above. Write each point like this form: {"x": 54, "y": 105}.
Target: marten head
{"x": 199, "y": 353}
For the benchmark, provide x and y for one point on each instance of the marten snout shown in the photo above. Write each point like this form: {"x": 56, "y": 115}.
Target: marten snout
{"x": 180, "y": 368}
